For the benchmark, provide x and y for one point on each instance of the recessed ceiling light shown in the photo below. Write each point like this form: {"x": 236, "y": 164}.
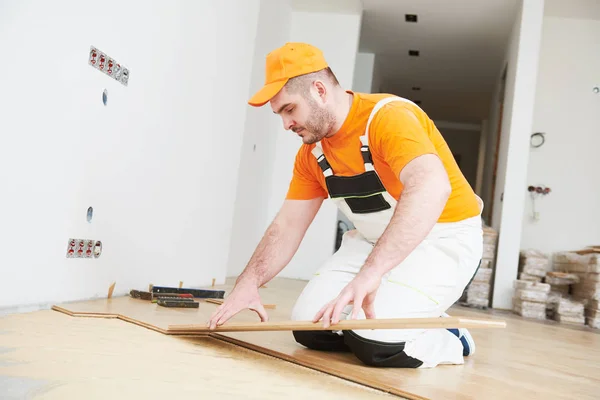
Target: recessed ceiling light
{"x": 413, "y": 53}
{"x": 410, "y": 17}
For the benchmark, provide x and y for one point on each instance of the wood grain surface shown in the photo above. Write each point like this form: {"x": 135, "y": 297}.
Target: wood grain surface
{"x": 395, "y": 323}
{"x": 47, "y": 355}
{"x": 527, "y": 359}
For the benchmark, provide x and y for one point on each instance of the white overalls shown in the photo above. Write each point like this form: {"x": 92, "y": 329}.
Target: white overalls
{"x": 425, "y": 284}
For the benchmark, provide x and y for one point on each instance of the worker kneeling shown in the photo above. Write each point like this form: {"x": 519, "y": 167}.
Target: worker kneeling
{"x": 417, "y": 239}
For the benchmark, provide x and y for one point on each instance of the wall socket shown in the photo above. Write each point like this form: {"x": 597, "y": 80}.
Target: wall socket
{"x": 108, "y": 65}
{"x": 84, "y": 248}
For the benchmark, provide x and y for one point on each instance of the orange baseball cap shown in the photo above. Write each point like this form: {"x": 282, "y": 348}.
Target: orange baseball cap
{"x": 288, "y": 61}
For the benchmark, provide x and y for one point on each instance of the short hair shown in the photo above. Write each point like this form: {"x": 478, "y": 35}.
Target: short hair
{"x": 301, "y": 84}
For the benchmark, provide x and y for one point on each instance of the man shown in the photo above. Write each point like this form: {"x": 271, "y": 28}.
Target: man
{"x": 418, "y": 237}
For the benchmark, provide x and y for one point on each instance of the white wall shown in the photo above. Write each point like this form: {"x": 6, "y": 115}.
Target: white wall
{"x": 523, "y": 53}
{"x": 363, "y": 73}
{"x": 159, "y": 163}
{"x": 377, "y": 80}
{"x": 340, "y": 48}
{"x": 261, "y": 132}
{"x": 568, "y": 111}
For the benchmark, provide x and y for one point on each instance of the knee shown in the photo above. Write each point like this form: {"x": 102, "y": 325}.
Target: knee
{"x": 379, "y": 354}
{"x": 320, "y": 340}
{"x": 301, "y": 311}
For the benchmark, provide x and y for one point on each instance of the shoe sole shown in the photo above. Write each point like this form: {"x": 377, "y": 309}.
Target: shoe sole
{"x": 470, "y": 344}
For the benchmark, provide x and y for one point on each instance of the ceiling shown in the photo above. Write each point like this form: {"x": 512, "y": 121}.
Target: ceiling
{"x": 462, "y": 44}
{"x": 578, "y": 9}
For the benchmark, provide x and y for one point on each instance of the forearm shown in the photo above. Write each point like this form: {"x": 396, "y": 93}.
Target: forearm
{"x": 272, "y": 254}
{"x": 422, "y": 201}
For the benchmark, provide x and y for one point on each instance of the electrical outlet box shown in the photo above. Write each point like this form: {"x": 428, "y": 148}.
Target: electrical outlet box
{"x": 108, "y": 65}
{"x": 84, "y": 248}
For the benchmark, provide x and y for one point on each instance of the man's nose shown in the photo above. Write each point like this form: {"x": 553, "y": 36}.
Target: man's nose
{"x": 287, "y": 123}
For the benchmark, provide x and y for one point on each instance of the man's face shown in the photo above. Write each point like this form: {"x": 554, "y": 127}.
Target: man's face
{"x": 306, "y": 116}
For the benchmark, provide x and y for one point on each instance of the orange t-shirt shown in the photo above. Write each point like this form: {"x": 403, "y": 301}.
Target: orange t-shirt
{"x": 399, "y": 132}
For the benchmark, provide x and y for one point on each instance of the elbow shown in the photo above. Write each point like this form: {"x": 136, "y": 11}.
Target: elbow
{"x": 444, "y": 187}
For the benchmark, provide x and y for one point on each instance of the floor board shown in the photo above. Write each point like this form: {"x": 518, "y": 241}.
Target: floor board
{"x": 48, "y": 355}
{"x": 528, "y": 359}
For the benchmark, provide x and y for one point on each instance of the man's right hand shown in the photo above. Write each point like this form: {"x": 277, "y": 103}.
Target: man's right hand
{"x": 244, "y": 295}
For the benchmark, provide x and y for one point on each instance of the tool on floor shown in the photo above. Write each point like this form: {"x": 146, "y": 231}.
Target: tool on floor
{"x": 180, "y": 303}
{"x": 179, "y": 295}
{"x": 197, "y": 293}
{"x": 187, "y": 299}
{"x": 140, "y": 294}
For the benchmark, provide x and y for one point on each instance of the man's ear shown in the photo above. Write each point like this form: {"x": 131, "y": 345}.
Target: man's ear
{"x": 321, "y": 90}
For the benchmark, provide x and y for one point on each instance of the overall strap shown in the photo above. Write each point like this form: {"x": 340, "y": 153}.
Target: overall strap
{"x": 317, "y": 151}
{"x": 364, "y": 139}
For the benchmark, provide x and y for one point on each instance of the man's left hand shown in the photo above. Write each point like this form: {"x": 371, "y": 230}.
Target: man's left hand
{"x": 360, "y": 292}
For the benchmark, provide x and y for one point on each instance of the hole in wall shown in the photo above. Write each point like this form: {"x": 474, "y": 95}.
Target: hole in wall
{"x": 104, "y": 96}
{"x": 90, "y": 214}
{"x": 410, "y": 18}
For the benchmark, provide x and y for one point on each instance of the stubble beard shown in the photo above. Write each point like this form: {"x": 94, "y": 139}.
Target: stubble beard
{"x": 319, "y": 124}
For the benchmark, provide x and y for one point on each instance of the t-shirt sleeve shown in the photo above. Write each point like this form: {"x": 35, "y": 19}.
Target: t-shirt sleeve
{"x": 304, "y": 185}
{"x": 399, "y": 137}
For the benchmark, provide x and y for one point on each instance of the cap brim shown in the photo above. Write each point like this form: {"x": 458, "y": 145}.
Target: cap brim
{"x": 266, "y": 93}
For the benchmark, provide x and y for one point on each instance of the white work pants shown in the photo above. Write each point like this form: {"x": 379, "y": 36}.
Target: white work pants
{"x": 425, "y": 284}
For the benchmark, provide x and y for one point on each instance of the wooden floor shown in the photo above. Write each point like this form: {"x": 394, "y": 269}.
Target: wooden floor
{"x": 529, "y": 359}
{"x": 59, "y": 356}
{"x": 50, "y": 355}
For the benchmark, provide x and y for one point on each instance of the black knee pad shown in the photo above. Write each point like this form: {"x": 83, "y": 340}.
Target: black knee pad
{"x": 379, "y": 354}
{"x": 321, "y": 340}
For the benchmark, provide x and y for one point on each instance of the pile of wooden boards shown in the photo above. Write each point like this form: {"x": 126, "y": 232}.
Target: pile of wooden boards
{"x": 568, "y": 311}
{"x": 565, "y": 288}
{"x": 533, "y": 265}
{"x": 560, "y": 306}
{"x": 477, "y": 294}
{"x": 530, "y": 298}
{"x": 585, "y": 265}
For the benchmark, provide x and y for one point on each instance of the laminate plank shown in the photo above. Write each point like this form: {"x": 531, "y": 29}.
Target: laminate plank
{"x": 527, "y": 359}
{"x": 47, "y": 355}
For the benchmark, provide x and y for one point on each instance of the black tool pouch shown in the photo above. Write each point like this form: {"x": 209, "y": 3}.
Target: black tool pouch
{"x": 362, "y": 193}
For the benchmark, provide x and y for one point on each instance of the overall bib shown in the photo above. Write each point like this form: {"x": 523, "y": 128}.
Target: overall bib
{"x": 425, "y": 284}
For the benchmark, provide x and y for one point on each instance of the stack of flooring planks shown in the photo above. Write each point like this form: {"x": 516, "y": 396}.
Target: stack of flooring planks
{"x": 585, "y": 264}
{"x": 544, "y": 294}
{"x": 560, "y": 306}
{"x": 533, "y": 265}
{"x": 477, "y": 294}
{"x": 530, "y": 298}
{"x": 569, "y": 311}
